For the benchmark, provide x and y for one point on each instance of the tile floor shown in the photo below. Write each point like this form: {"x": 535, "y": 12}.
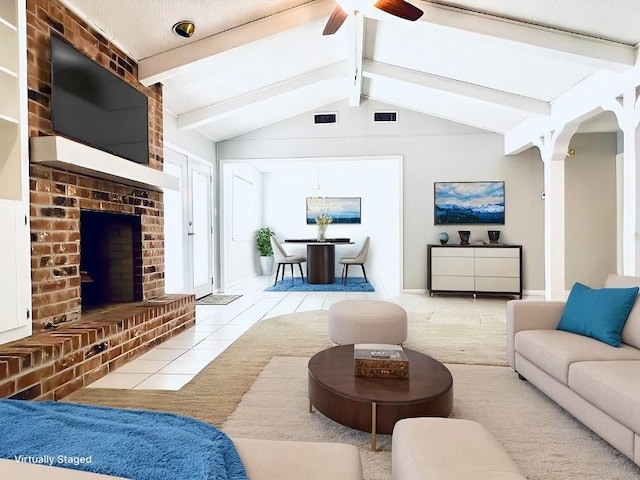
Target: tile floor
{"x": 172, "y": 364}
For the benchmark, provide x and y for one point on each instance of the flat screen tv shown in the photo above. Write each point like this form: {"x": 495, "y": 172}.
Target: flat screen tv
{"x": 96, "y": 107}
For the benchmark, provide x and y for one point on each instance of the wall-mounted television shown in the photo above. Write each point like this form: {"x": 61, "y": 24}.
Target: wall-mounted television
{"x": 96, "y": 107}
{"x": 460, "y": 203}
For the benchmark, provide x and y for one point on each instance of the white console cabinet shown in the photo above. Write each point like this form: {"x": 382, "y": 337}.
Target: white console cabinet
{"x": 474, "y": 269}
{"x": 15, "y": 278}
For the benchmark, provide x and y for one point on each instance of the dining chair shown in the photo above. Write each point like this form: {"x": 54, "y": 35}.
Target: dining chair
{"x": 360, "y": 259}
{"x": 283, "y": 260}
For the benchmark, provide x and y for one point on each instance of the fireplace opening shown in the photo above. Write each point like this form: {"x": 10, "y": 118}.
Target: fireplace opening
{"x": 110, "y": 258}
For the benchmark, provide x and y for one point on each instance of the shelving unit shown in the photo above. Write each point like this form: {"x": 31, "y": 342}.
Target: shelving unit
{"x": 9, "y": 65}
{"x": 15, "y": 281}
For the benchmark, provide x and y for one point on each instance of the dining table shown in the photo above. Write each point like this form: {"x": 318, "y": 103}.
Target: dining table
{"x": 321, "y": 258}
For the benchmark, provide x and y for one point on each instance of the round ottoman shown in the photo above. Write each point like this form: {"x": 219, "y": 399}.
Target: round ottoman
{"x": 367, "y": 321}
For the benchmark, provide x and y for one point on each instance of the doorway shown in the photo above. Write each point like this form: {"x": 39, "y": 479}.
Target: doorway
{"x": 188, "y": 226}
{"x": 279, "y": 188}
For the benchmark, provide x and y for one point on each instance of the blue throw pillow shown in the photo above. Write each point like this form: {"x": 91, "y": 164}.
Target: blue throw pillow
{"x": 598, "y": 313}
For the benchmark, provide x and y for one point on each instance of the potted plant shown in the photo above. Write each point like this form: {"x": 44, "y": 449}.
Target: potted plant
{"x": 263, "y": 244}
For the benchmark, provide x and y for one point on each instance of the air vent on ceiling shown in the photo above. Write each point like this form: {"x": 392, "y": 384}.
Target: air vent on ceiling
{"x": 325, "y": 118}
{"x": 385, "y": 116}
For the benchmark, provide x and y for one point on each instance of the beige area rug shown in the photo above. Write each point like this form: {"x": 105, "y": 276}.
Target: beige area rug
{"x": 545, "y": 441}
{"x": 214, "y": 393}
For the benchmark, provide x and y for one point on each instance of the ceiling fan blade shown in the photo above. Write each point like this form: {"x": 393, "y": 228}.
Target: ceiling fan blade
{"x": 400, "y": 8}
{"x": 337, "y": 18}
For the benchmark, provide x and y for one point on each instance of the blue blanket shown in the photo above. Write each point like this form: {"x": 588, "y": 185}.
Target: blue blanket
{"x": 135, "y": 444}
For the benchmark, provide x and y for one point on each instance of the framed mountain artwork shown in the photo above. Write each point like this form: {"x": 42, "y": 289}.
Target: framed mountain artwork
{"x": 461, "y": 203}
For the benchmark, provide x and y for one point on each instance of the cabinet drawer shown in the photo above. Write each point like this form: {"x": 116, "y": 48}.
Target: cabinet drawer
{"x": 497, "y": 267}
{"x": 497, "y": 284}
{"x": 459, "y": 266}
{"x": 452, "y": 252}
{"x": 491, "y": 252}
{"x": 454, "y": 283}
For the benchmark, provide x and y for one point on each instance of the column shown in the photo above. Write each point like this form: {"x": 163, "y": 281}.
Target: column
{"x": 553, "y": 150}
{"x": 627, "y": 112}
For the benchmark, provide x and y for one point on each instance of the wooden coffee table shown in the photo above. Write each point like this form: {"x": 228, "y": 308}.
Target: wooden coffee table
{"x": 376, "y": 404}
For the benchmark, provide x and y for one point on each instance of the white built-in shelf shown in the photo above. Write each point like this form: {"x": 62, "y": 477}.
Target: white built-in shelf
{"x": 8, "y": 43}
{"x": 15, "y": 256}
{"x": 7, "y": 121}
{"x": 65, "y": 154}
{"x": 8, "y": 57}
{"x": 6, "y": 27}
{"x": 8, "y": 14}
{"x": 9, "y": 105}
{"x": 9, "y": 94}
{"x": 8, "y": 72}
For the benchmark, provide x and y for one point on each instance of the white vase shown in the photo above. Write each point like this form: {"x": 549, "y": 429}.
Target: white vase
{"x": 266, "y": 265}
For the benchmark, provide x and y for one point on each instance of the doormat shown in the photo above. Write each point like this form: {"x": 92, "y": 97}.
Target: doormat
{"x": 216, "y": 299}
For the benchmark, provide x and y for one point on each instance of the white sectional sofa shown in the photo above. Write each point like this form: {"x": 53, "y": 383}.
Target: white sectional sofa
{"x": 597, "y": 383}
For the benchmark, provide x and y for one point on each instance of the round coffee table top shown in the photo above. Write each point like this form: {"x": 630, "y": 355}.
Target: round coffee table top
{"x": 338, "y": 393}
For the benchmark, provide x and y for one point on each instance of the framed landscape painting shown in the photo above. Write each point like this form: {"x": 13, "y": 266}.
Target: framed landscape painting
{"x": 341, "y": 209}
{"x": 460, "y": 203}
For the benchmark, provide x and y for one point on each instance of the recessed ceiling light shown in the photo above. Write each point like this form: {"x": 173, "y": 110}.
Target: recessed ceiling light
{"x": 184, "y": 28}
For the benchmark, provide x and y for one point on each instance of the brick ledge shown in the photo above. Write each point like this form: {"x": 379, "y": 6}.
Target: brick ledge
{"x": 50, "y": 365}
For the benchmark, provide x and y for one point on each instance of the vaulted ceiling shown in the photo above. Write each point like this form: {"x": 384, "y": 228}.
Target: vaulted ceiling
{"x": 496, "y": 65}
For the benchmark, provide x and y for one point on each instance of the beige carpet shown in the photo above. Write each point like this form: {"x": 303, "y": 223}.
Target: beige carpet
{"x": 214, "y": 393}
{"x": 547, "y": 443}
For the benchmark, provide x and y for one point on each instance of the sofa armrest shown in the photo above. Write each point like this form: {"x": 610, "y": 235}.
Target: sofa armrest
{"x": 530, "y": 315}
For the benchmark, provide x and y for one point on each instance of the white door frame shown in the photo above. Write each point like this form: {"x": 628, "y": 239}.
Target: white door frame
{"x": 190, "y": 165}
{"x": 200, "y": 226}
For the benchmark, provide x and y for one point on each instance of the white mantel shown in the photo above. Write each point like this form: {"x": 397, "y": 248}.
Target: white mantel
{"x": 60, "y": 152}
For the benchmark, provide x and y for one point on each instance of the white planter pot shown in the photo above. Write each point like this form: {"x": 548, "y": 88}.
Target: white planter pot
{"x": 266, "y": 265}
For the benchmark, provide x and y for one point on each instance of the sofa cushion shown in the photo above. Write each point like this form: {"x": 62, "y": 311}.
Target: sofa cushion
{"x": 554, "y": 351}
{"x": 613, "y": 387}
{"x": 631, "y": 331}
{"x": 598, "y": 313}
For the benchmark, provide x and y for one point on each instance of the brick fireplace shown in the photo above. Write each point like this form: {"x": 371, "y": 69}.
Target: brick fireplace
{"x": 97, "y": 245}
{"x": 58, "y": 200}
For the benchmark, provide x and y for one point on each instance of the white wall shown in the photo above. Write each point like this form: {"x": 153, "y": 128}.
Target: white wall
{"x": 590, "y": 205}
{"x": 433, "y": 150}
{"x": 241, "y": 217}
